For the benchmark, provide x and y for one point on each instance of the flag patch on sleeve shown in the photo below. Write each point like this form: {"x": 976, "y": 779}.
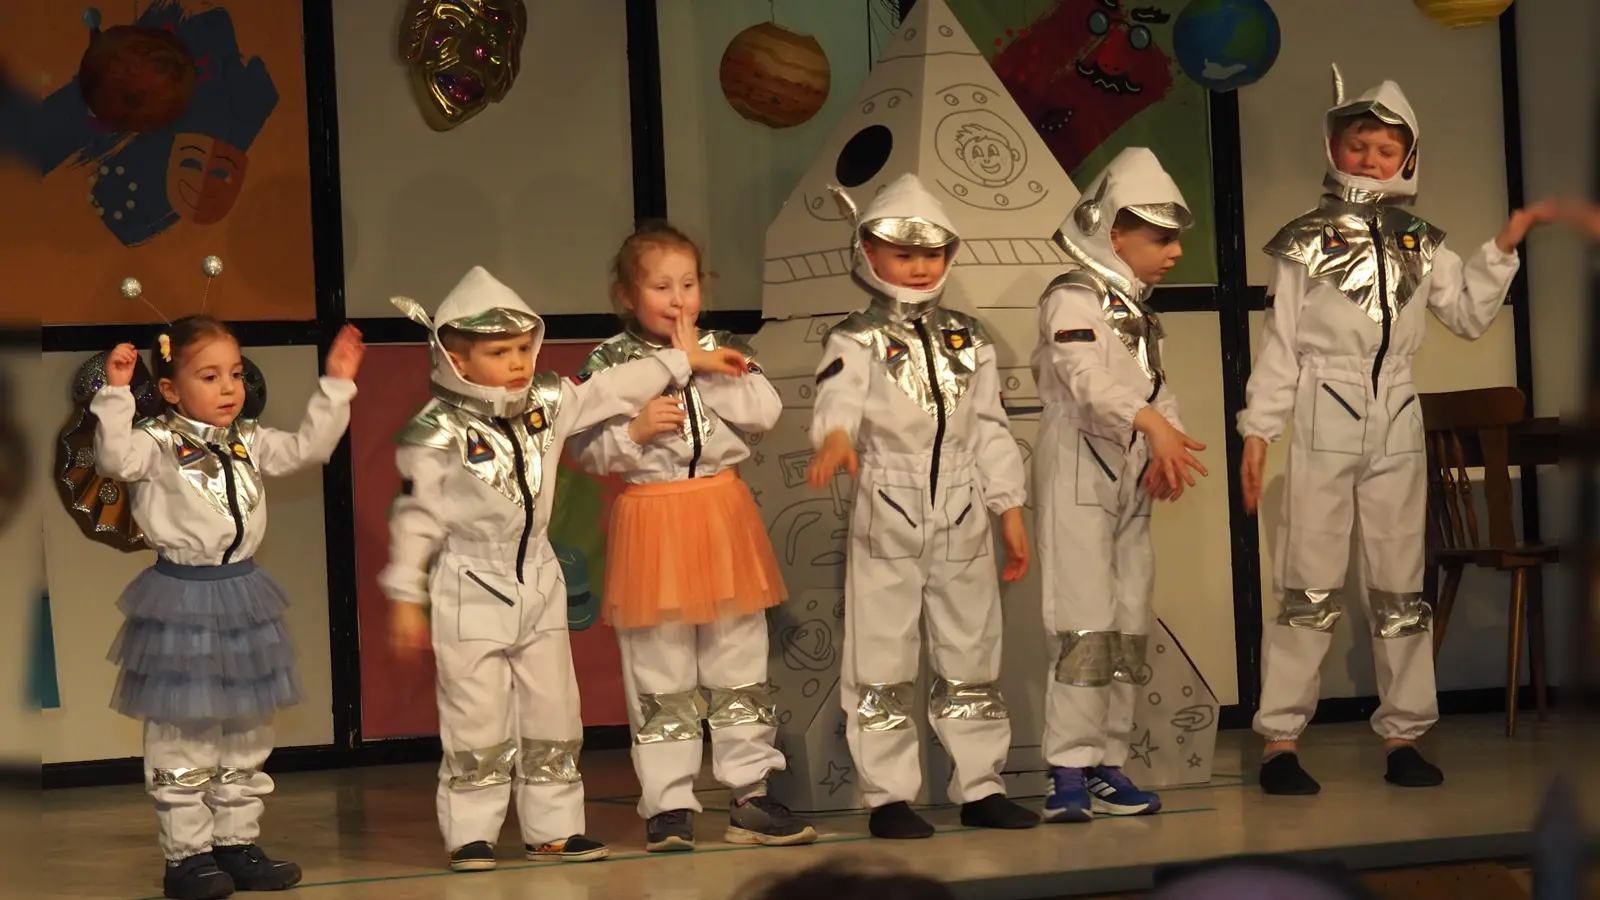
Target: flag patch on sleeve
{"x": 1075, "y": 336}
{"x": 831, "y": 370}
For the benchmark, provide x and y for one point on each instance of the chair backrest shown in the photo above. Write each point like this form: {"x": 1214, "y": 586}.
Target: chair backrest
{"x": 1467, "y": 429}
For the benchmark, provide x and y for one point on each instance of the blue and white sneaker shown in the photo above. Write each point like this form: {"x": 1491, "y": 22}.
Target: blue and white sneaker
{"x": 1069, "y": 796}
{"x": 1114, "y": 795}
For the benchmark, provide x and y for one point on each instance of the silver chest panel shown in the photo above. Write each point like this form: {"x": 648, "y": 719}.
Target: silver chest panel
{"x": 196, "y": 452}
{"x": 1337, "y": 246}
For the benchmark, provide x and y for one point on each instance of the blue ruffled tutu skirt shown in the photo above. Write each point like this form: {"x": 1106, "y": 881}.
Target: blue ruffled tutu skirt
{"x": 203, "y": 643}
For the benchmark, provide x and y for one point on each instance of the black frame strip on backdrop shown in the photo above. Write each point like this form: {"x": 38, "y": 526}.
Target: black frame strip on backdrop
{"x": 1233, "y": 298}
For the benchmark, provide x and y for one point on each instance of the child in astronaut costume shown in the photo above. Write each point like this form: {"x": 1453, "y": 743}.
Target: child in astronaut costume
{"x": 691, "y": 571}
{"x": 914, "y": 386}
{"x": 1350, "y": 284}
{"x": 1109, "y": 441}
{"x": 468, "y": 533}
{"x": 204, "y": 657}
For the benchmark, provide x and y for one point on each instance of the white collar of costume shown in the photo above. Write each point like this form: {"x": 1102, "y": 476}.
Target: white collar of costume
{"x": 905, "y": 213}
{"x": 479, "y": 304}
{"x": 1134, "y": 181}
{"x": 1388, "y": 103}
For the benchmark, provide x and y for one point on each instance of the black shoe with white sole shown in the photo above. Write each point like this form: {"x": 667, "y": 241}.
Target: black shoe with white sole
{"x": 477, "y": 856}
{"x": 670, "y": 831}
{"x": 196, "y": 878}
{"x": 252, "y": 870}
{"x": 764, "y": 821}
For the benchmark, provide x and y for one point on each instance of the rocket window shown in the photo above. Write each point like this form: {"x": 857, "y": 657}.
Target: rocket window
{"x": 863, "y": 156}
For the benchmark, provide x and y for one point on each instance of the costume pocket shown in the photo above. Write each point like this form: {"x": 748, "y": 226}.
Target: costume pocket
{"x": 1339, "y": 416}
{"x": 968, "y": 523}
{"x": 487, "y": 608}
{"x": 1100, "y": 461}
{"x": 895, "y": 529}
{"x": 1405, "y": 422}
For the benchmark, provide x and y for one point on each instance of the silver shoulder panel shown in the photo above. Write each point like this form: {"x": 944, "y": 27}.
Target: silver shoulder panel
{"x": 1080, "y": 278}
{"x": 428, "y": 429}
{"x": 857, "y": 327}
{"x": 547, "y": 391}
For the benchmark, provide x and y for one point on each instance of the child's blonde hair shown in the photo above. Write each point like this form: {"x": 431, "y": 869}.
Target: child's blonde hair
{"x": 652, "y": 234}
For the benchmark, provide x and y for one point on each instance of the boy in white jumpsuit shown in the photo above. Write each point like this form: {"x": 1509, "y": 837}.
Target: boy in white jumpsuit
{"x": 1350, "y": 285}
{"x": 1109, "y": 441}
{"x": 915, "y": 387}
{"x": 468, "y": 533}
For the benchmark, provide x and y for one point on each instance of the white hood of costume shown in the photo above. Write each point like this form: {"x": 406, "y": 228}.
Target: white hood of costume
{"x": 1134, "y": 181}
{"x": 904, "y": 212}
{"x": 1388, "y": 103}
{"x": 479, "y": 304}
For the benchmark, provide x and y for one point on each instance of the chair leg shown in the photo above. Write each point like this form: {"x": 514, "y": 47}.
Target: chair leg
{"x": 1536, "y": 639}
{"x": 1519, "y": 604}
{"x": 1445, "y": 603}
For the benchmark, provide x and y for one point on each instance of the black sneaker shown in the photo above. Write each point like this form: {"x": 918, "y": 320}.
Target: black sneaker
{"x": 763, "y": 820}
{"x": 196, "y": 878}
{"x": 477, "y": 856}
{"x": 252, "y": 870}
{"x": 577, "y": 848}
{"x": 1281, "y": 774}
{"x": 1407, "y": 768}
{"x": 996, "y": 811}
{"x": 897, "y": 822}
{"x": 669, "y": 831}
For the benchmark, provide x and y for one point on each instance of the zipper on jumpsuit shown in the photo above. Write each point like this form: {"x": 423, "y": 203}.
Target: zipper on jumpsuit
{"x": 1383, "y": 299}
{"x": 938, "y": 406}
{"x": 527, "y": 495}
{"x": 694, "y": 429}
{"x": 233, "y": 503}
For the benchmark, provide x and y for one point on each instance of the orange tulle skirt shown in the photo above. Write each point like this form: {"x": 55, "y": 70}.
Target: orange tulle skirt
{"x": 693, "y": 551}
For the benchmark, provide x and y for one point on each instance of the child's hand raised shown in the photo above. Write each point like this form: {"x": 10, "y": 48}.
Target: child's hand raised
{"x": 659, "y": 416}
{"x": 344, "y": 357}
{"x": 722, "y": 361}
{"x": 1522, "y": 220}
{"x": 836, "y": 451}
{"x": 120, "y": 363}
{"x": 1015, "y": 536}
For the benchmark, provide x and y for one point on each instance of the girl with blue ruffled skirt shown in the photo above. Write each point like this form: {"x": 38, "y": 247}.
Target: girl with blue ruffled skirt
{"x": 205, "y": 659}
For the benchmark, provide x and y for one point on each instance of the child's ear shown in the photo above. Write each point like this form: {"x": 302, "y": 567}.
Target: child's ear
{"x": 168, "y": 392}
{"x": 458, "y": 361}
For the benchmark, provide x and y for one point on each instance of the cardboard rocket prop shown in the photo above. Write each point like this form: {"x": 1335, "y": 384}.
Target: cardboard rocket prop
{"x": 934, "y": 107}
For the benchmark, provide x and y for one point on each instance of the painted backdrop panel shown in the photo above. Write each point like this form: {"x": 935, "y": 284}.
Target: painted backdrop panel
{"x": 397, "y": 700}
{"x": 230, "y": 177}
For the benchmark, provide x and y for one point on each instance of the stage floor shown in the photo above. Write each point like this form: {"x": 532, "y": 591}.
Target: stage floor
{"x": 371, "y": 833}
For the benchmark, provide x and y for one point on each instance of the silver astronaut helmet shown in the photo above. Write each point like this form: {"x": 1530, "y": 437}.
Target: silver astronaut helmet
{"x": 479, "y": 305}
{"x": 1136, "y": 182}
{"x": 1389, "y": 104}
{"x": 904, "y": 213}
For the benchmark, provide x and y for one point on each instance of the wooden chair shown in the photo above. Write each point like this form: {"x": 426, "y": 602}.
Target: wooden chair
{"x": 1457, "y": 424}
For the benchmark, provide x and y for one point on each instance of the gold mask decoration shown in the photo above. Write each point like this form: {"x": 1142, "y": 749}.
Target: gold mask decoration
{"x": 463, "y": 54}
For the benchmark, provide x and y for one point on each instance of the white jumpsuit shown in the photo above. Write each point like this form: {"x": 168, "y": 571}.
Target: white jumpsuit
{"x": 1098, "y": 365}
{"x": 1095, "y": 554}
{"x": 1356, "y": 461}
{"x": 469, "y": 534}
{"x": 936, "y": 457}
{"x": 206, "y": 777}
{"x": 1351, "y": 282}
{"x": 671, "y": 669}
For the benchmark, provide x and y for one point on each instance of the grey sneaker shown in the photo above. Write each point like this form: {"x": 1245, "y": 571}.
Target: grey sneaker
{"x": 669, "y": 831}
{"x": 763, "y": 820}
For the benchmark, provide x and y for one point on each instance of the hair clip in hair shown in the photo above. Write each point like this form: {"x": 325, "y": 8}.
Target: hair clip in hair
{"x": 165, "y": 344}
